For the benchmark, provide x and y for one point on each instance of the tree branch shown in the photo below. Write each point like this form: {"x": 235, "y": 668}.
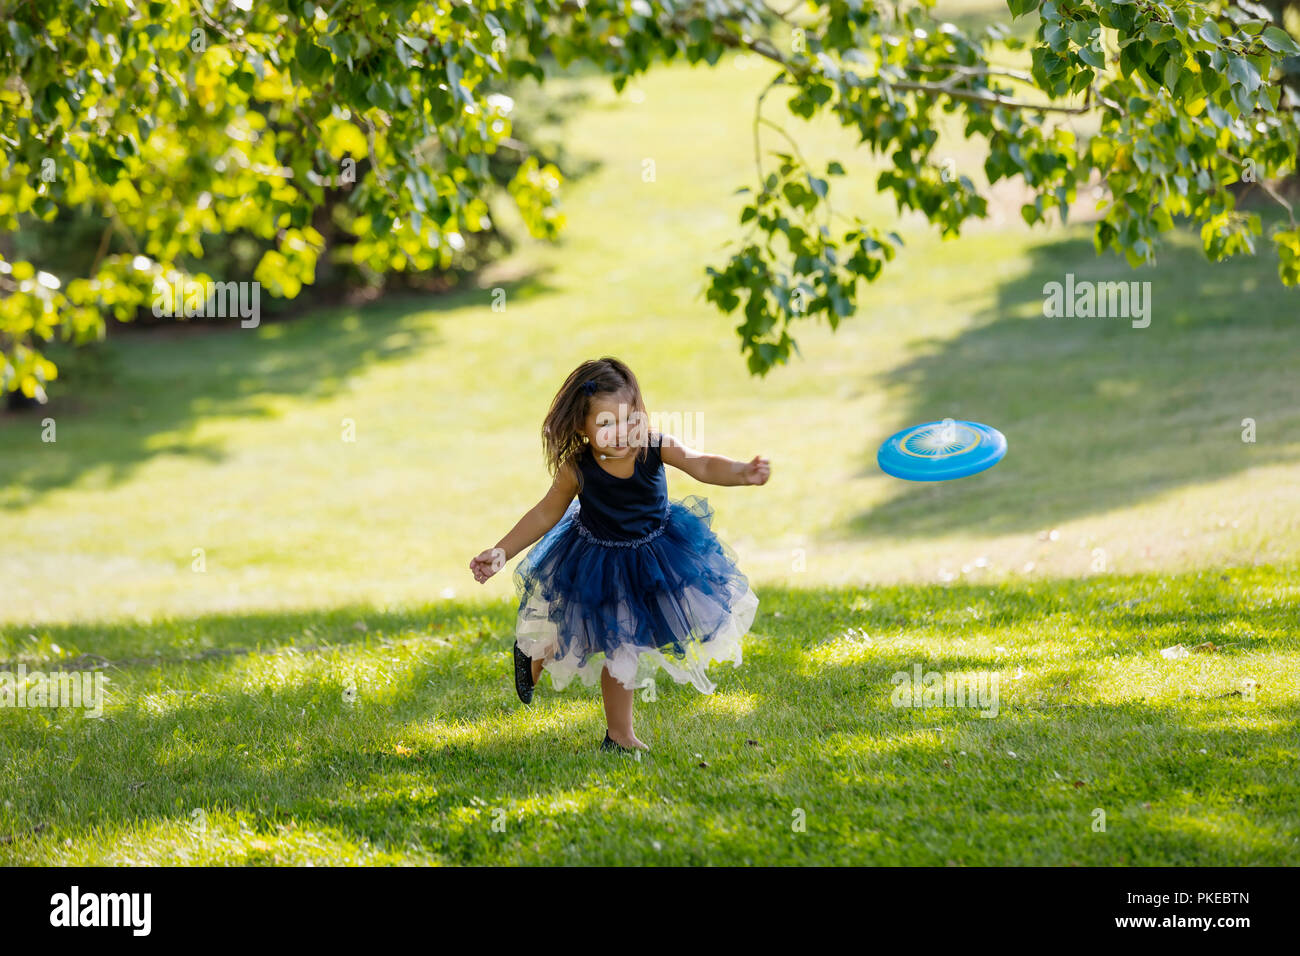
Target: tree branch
{"x": 764, "y": 49}
{"x": 983, "y": 96}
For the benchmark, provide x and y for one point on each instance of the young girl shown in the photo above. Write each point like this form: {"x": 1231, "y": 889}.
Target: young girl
{"x": 623, "y": 577}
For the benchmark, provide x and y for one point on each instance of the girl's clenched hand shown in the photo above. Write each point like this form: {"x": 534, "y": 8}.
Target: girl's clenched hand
{"x": 487, "y": 564}
{"x": 758, "y": 470}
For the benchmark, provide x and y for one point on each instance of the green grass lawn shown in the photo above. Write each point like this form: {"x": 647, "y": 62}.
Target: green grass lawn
{"x": 1127, "y": 480}
{"x": 292, "y": 738}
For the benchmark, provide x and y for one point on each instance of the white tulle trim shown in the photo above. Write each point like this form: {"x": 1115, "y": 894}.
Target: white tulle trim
{"x": 538, "y": 637}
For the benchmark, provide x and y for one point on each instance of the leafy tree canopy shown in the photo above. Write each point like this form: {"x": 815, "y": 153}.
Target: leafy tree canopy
{"x": 182, "y": 121}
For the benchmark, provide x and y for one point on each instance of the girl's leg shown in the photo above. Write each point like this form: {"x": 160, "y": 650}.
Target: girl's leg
{"x": 618, "y": 711}
{"x": 539, "y": 663}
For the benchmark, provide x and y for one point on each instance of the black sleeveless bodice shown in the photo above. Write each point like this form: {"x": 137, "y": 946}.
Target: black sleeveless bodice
{"x": 623, "y": 509}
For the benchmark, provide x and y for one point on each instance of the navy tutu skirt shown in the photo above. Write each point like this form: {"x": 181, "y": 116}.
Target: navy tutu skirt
{"x": 673, "y": 599}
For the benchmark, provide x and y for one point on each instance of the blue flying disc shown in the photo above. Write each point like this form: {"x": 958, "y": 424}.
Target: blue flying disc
{"x": 941, "y": 451}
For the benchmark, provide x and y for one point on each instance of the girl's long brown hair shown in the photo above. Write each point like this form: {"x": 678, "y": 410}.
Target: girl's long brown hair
{"x": 562, "y": 430}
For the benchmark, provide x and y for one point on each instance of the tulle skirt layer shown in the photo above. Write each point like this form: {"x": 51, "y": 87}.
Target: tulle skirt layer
{"x": 673, "y": 600}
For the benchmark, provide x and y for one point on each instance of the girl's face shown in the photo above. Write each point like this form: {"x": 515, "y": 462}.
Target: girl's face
{"x": 613, "y": 425}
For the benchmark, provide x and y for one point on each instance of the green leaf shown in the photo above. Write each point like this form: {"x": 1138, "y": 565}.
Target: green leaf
{"x": 1093, "y": 57}
{"x": 1241, "y": 71}
{"x": 22, "y": 38}
{"x": 1279, "y": 41}
{"x": 1173, "y": 69}
{"x": 418, "y": 44}
{"x": 1021, "y": 7}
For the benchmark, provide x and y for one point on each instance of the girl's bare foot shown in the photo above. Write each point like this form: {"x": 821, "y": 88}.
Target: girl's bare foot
{"x": 537, "y": 669}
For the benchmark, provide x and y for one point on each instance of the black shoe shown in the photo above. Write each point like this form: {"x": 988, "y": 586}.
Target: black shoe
{"x": 523, "y": 675}
{"x": 609, "y": 744}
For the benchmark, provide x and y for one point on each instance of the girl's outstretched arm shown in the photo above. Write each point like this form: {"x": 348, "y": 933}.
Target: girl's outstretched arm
{"x": 538, "y": 520}
{"x": 714, "y": 469}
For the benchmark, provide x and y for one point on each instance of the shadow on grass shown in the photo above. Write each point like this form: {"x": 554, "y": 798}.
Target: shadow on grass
{"x": 142, "y": 396}
{"x": 1100, "y": 415}
{"x": 179, "y": 640}
{"x": 435, "y": 744}
{"x": 1205, "y": 605}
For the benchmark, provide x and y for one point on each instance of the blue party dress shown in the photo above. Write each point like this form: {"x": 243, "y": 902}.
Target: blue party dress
{"x": 632, "y": 581}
